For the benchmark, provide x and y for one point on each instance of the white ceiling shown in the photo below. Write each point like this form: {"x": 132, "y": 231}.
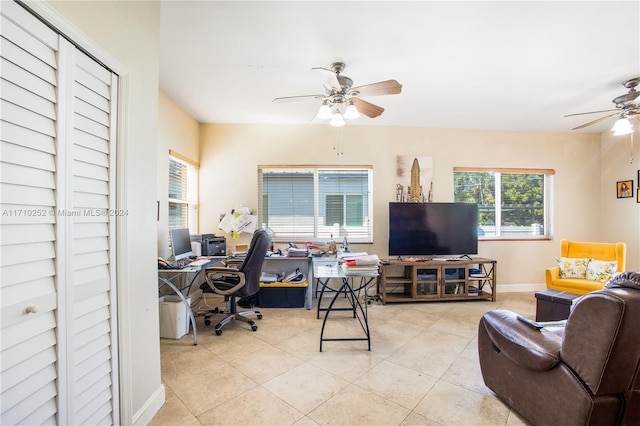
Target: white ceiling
{"x": 504, "y": 65}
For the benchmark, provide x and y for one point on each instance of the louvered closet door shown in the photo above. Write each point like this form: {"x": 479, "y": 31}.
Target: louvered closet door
{"x": 28, "y": 198}
{"x": 89, "y": 241}
{"x": 58, "y": 351}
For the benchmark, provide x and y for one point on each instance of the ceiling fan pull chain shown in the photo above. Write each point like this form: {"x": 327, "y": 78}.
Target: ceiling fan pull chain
{"x": 337, "y": 142}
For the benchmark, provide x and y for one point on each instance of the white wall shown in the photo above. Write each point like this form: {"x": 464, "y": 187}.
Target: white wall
{"x": 178, "y": 132}
{"x": 231, "y": 153}
{"x": 129, "y": 32}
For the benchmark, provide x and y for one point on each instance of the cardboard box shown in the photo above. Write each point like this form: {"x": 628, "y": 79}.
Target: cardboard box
{"x": 174, "y": 317}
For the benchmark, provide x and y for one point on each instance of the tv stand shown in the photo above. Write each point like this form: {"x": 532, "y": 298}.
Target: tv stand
{"x": 466, "y": 278}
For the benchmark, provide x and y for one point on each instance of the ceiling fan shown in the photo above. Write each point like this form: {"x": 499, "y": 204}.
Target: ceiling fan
{"x": 627, "y": 107}
{"x": 341, "y": 100}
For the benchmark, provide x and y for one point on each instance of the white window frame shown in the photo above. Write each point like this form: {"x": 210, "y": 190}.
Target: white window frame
{"x": 543, "y": 231}
{"x": 318, "y": 230}
{"x": 191, "y": 195}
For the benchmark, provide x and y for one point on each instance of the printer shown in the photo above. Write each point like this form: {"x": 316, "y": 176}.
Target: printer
{"x": 210, "y": 244}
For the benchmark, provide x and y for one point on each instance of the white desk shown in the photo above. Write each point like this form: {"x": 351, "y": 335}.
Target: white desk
{"x": 324, "y": 269}
{"x": 169, "y": 277}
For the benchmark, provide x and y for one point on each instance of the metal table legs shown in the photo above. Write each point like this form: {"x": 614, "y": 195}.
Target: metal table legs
{"x": 359, "y": 311}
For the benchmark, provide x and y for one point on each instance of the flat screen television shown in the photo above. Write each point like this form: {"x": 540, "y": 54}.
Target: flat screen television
{"x": 180, "y": 243}
{"x": 433, "y": 229}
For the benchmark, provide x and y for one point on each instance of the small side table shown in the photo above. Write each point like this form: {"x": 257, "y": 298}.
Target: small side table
{"x": 554, "y": 305}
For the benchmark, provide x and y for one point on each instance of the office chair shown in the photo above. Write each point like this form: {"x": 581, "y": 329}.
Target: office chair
{"x": 241, "y": 282}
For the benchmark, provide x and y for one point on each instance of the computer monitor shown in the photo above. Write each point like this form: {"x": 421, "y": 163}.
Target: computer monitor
{"x": 181, "y": 243}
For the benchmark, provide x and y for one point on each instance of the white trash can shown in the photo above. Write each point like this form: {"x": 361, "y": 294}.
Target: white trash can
{"x": 174, "y": 318}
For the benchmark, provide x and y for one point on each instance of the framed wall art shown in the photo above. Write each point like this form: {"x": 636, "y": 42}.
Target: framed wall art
{"x": 414, "y": 179}
{"x": 624, "y": 188}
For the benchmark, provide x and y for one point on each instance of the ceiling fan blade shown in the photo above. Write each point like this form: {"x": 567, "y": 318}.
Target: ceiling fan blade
{"x": 366, "y": 108}
{"x": 388, "y": 87}
{"x": 297, "y": 98}
{"x": 592, "y": 112}
{"x": 597, "y": 120}
{"x": 329, "y": 78}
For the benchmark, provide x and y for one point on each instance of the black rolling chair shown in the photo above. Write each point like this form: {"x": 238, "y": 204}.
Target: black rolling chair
{"x": 242, "y": 282}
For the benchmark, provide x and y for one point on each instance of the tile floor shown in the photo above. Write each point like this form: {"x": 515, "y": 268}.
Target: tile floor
{"x": 422, "y": 369}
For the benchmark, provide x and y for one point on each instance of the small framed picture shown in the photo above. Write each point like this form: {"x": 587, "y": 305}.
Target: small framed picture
{"x": 624, "y": 188}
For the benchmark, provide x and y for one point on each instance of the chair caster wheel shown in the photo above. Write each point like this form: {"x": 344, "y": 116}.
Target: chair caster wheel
{"x": 207, "y": 322}
{"x": 260, "y": 316}
{"x": 218, "y": 332}
{"x": 254, "y": 327}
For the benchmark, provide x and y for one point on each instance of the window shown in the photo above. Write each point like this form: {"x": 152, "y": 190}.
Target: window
{"x": 305, "y": 203}
{"x": 183, "y": 193}
{"x": 512, "y": 203}
{"x": 344, "y": 209}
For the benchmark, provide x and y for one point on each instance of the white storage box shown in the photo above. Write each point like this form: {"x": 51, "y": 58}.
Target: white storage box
{"x": 174, "y": 319}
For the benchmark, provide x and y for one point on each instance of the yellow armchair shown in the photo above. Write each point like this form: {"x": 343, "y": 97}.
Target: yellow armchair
{"x": 575, "y": 249}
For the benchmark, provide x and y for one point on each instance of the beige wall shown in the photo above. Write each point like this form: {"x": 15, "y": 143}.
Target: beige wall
{"x": 231, "y": 153}
{"x": 129, "y": 32}
{"x": 621, "y": 216}
{"x": 178, "y": 132}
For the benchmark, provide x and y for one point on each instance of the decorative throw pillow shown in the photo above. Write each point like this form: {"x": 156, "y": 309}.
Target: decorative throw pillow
{"x": 572, "y": 267}
{"x": 601, "y": 271}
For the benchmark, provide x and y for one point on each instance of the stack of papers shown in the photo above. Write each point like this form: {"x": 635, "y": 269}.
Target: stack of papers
{"x": 296, "y": 252}
{"x": 367, "y": 260}
{"x": 294, "y": 277}
{"x": 350, "y": 255}
{"x": 268, "y": 277}
{"x": 360, "y": 264}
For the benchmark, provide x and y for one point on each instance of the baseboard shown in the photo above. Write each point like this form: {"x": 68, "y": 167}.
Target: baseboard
{"x": 144, "y": 415}
{"x": 517, "y": 288}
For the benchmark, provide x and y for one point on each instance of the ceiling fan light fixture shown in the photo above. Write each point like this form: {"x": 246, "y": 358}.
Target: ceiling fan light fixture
{"x": 325, "y": 112}
{"x": 622, "y": 126}
{"x": 351, "y": 112}
{"x": 339, "y": 99}
{"x": 337, "y": 120}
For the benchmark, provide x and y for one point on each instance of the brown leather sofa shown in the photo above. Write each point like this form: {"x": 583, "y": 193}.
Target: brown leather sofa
{"x": 582, "y": 371}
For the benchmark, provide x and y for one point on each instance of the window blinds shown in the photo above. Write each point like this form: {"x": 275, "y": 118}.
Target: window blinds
{"x": 308, "y": 202}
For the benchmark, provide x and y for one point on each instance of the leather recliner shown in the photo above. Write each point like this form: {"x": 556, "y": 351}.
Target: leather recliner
{"x": 582, "y": 371}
